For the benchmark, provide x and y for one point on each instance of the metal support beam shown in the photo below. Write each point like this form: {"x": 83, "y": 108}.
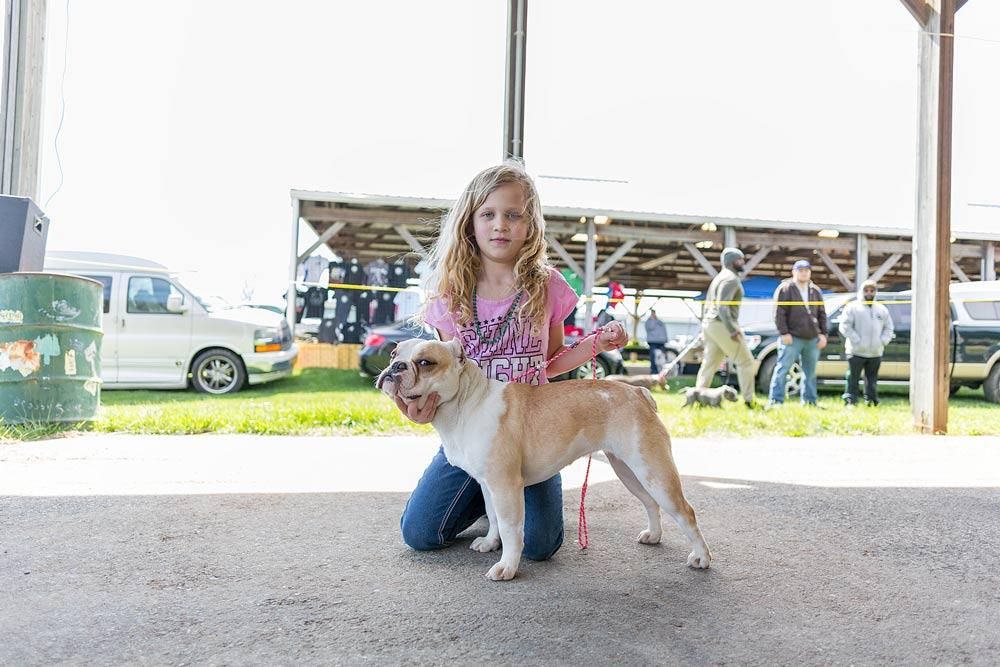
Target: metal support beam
{"x": 700, "y": 258}
{"x": 410, "y": 241}
{"x": 756, "y": 259}
{"x": 323, "y": 238}
{"x": 929, "y": 348}
{"x": 614, "y": 257}
{"x": 957, "y": 270}
{"x": 564, "y": 255}
{"x": 21, "y": 103}
{"x": 861, "y": 259}
{"x": 513, "y": 107}
{"x": 293, "y": 268}
{"x": 988, "y": 270}
{"x": 836, "y": 270}
{"x": 729, "y": 237}
{"x": 887, "y": 265}
{"x": 588, "y": 276}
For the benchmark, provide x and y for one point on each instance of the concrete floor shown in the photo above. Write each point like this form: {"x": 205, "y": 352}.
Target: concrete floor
{"x": 249, "y": 550}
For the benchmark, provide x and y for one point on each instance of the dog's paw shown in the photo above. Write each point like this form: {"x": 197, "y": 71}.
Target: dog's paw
{"x": 699, "y": 561}
{"x": 649, "y": 537}
{"x": 501, "y": 572}
{"x": 485, "y": 545}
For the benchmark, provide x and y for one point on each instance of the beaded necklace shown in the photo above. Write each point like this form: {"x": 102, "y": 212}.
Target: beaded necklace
{"x": 503, "y": 328}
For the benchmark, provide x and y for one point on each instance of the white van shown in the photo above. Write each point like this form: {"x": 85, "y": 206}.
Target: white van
{"x": 159, "y": 335}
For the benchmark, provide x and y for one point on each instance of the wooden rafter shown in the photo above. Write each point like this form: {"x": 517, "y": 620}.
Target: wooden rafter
{"x": 836, "y": 270}
{"x": 700, "y": 258}
{"x": 615, "y": 256}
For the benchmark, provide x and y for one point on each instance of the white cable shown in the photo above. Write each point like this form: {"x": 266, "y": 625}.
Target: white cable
{"x": 62, "y": 110}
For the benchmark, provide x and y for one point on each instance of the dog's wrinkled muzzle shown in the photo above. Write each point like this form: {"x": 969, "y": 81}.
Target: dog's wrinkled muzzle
{"x": 391, "y": 376}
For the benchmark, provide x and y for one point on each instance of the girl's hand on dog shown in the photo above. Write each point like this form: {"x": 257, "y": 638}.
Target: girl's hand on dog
{"x": 413, "y": 411}
{"x": 612, "y": 338}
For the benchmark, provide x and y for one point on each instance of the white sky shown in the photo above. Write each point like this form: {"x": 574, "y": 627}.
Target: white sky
{"x": 187, "y": 123}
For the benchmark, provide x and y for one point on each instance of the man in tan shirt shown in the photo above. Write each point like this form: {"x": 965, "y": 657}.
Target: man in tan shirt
{"x": 721, "y": 329}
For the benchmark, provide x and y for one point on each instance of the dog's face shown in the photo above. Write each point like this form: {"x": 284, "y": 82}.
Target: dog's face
{"x": 729, "y": 393}
{"x": 419, "y": 367}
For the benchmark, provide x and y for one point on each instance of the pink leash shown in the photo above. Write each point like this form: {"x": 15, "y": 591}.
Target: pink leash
{"x": 581, "y": 528}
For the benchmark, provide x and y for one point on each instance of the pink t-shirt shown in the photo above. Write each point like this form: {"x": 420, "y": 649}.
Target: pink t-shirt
{"x": 517, "y": 350}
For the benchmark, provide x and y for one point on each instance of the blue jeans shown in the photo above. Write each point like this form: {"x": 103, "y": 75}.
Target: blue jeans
{"x": 447, "y": 501}
{"x": 787, "y": 354}
{"x": 653, "y": 347}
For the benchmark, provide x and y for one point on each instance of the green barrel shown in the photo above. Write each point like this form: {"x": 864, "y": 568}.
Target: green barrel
{"x": 50, "y": 347}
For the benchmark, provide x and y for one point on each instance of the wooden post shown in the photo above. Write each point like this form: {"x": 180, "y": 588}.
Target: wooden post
{"x": 729, "y": 237}
{"x": 929, "y": 349}
{"x": 513, "y": 108}
{"x": 21, "y": 107}
{"x": 293, "y": 267}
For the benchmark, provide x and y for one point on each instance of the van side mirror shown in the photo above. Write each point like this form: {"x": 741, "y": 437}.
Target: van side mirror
{"x": 175, "y": 304}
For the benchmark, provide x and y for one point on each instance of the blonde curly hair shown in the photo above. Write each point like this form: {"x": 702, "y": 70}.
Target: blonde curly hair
{"x": 455, "y": 258}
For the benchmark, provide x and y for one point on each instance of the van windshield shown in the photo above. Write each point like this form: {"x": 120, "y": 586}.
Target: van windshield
{"x": 212, "y": 303}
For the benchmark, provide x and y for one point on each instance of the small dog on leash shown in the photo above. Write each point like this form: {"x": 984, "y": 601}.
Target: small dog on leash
{"x": 509, "y": 436}
{"x": 711, "y": 397}
{"x": 647, "y": 381}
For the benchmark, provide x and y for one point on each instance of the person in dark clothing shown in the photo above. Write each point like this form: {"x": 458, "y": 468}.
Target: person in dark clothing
{"x": 656, "y": 338}
{"x": 800, "y": 318}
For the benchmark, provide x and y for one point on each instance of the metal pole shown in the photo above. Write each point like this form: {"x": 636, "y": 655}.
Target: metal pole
{"x": 729, "y": 237}
{"x": 589, "y": 272}
{"x": 293, "y": 267}
{"x": 989, "y": 262}
{"x": 513, "y": 117}
{"x": 860, "y": 260}
{"x": 21, "y": 112}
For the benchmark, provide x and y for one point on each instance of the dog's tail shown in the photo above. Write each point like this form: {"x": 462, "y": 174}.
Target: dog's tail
{"x": 648, "y": 395}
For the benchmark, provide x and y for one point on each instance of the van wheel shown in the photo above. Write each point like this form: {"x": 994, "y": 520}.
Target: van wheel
{"x": 795, "y": 380}
{"x": 992, "y": 385}
{"x": 217, "y": 372}
{"x": 764, "y": 374}
{"x": 586, "y": 371}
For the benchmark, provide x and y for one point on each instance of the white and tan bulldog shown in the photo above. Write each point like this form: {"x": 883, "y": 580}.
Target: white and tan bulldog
{"x": 508, "y": 436}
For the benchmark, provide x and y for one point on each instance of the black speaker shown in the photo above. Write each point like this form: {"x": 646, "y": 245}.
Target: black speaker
{"x": 23, "y": 231}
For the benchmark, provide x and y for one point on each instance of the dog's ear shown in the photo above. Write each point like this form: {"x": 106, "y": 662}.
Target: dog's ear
{"x": 456, "y": 348}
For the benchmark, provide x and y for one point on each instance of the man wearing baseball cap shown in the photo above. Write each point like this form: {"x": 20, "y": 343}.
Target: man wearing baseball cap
{"x": 800, "y": 318}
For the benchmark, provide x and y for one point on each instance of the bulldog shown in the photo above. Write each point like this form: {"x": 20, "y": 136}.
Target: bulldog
{"x": 647, "y": 381}
{"x": 508, "y": 435}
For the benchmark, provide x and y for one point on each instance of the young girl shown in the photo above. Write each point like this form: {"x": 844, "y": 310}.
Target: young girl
{"x": 490, "y": 286}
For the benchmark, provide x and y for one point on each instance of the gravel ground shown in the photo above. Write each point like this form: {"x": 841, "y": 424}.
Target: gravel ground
{"x": 804, "y": 573}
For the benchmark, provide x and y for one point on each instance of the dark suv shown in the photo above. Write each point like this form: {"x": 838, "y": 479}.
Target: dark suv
{"x": 975, "y": 338}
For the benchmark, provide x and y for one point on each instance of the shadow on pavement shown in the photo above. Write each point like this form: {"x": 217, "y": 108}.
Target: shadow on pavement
{"x": 801, "y": 575}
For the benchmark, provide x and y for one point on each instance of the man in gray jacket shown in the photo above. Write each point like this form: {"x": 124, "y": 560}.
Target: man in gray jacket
{"x": 867, "y": 328}
{"x": 720, "y": 326}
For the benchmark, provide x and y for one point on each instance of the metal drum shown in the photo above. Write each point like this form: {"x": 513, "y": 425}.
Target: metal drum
{"x": 50, "y": 347}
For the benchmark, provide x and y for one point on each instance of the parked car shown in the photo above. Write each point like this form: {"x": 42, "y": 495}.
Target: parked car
{"x": 380, "y": 342}
{"x": 263, "y": 306}
{"x": 159, "y": 335}
{"x": 975, "y": 337}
